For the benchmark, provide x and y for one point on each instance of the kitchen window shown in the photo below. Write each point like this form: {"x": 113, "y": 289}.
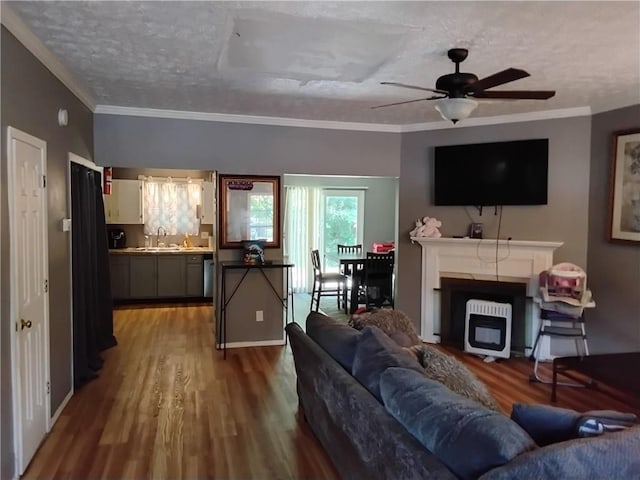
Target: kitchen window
{"x": 173, "y": 204}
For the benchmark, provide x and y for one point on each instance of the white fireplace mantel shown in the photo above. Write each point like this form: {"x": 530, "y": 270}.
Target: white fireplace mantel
{"x": 517, "y": 261}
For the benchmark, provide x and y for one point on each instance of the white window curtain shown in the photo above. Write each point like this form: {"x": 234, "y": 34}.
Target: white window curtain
{"x": 172, "y": 205}
{"x": 300, "y": 231}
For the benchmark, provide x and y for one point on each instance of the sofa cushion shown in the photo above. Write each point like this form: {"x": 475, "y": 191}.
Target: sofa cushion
{"x": 395, "y": 323}
{"x": 454, "y": 374}
{"x": 614, "y": 455}
{"x": 337, "y": 339}
{"x": 467, "y": 437}
{"x": 375, "y": 353}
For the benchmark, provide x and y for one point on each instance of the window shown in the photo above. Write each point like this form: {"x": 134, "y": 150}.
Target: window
{"x": 173, "y": 205}
{"x": 343, "y": 220}
{"x": 261, "y": 217}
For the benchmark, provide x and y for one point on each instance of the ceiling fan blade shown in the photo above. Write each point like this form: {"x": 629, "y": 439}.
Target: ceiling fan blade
{"x": 516, "y": 94}
{"x": 408, "y": 101}
{"x": 505, "y": 76}
{"x": 414, "y": 87}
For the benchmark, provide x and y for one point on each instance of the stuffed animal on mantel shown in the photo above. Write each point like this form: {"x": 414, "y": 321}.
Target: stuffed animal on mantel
{"x": 427, "y": 227}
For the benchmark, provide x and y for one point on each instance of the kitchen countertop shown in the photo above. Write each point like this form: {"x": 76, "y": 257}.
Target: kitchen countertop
{"x": 161, "y": 250}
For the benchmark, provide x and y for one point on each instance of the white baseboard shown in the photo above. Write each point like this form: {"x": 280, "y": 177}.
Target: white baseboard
{"x": 58, "y": 412}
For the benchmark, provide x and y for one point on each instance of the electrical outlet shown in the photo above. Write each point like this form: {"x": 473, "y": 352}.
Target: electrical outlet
{"x": 204, "y": 235}
{"x": 259, "y": 316}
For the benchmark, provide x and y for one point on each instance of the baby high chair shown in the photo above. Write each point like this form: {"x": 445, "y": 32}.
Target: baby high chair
{"x": 563, "y": 298}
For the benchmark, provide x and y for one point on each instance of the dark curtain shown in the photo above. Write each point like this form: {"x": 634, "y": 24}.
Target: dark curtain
{"x": 92, "y": 303}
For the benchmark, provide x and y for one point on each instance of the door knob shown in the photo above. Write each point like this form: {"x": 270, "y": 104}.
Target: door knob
{"x": 24, "y": 324}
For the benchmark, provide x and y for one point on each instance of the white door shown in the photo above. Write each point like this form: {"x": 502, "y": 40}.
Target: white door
{"x": 29, "y": 291}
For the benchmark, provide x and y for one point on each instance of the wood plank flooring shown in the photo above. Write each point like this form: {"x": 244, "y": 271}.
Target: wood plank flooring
{"x": 168, "y": 406}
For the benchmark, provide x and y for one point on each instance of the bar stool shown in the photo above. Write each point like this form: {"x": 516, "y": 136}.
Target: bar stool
{"x": 559, "y": 325}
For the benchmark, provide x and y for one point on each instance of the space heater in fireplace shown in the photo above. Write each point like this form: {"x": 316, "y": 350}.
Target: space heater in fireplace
{"x": 487, "y": 328}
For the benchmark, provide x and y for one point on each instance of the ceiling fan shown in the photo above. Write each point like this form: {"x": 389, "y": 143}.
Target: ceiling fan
{"x": 457, "y": 91}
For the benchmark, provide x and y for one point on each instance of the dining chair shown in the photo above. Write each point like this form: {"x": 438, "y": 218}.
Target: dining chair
{"x": 326, "y": 284}
{"x": 377, "y": 284}
{"x": 348, "y": 249}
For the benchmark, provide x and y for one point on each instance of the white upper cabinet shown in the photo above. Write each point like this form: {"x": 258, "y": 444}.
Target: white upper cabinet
{"x": 208, "y": 210}
{"x": 124, "y": 205}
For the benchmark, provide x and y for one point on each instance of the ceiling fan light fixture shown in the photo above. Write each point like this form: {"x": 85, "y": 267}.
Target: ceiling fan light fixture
{"x": 454, "y": 109}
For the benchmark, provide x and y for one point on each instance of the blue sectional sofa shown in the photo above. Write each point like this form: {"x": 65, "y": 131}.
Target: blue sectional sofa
{"x": 377, "y": 415}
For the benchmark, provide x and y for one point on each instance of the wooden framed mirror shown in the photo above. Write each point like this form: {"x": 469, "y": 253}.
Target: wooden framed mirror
{"x": 249, "y": 209}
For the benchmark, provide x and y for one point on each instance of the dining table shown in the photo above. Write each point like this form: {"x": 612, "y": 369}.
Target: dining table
{"x": 352, "y": 262}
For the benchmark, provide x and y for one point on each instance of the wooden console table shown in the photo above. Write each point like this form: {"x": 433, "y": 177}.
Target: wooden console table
{"x": 247, "y": 267}
{"x": 619, "y": 370}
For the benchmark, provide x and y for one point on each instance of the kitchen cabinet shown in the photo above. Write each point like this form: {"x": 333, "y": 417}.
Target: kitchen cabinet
{"x": 195, "y": 276}
{"x": 153, "y": 275}
{"x": 171, "y": 275}
{"x": 208, "y": 210}
{"x": 119, "y": 273}
{"x": 124, "y": 205}
{"x": 143, "y": 276}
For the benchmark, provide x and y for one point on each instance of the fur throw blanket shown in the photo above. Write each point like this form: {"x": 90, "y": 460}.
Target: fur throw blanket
{"x": 394, "y": 323}
{"x": 449, "y": 371}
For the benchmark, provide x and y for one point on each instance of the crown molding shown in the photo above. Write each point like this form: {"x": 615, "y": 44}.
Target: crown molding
{"x": 615, "y": 106}
{"x": 368, "y": 127}
{"x": 248, "y": 119}
{"x": 500, "y": 119}
{"x": 19, "y": 29}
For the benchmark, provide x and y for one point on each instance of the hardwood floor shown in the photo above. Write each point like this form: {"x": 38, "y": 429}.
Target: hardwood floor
{"x": 167, "y": 405}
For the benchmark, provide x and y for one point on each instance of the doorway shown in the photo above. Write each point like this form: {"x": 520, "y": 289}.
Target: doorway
{"x": 29, "y": 287}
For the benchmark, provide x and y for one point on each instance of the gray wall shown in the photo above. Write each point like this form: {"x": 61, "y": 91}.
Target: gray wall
{"x": 613, "y": 268}
{"x": 565, "y": 218}
{"x": 126, "y": 141}
{"x": 31, "y": 97}
{"x": 379, "y": 202}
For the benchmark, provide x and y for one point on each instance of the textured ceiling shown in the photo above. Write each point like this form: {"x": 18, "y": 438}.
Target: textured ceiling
{"x": 325, "y": 60}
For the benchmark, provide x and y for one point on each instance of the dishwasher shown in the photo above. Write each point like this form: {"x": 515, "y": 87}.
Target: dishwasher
{"x": 209, "y": 276}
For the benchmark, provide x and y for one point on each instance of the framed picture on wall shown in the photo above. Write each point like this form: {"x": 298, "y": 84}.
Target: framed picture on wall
{"x": 625, "y": 186}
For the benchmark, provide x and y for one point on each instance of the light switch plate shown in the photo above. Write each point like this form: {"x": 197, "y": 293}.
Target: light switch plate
{"x": 66, "y": 224}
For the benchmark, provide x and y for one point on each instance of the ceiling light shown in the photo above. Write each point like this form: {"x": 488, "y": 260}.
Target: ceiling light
{"x": 455, "y": 109}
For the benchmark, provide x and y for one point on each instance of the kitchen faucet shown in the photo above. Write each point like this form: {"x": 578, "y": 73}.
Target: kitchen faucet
{"x": 164, "y": 231}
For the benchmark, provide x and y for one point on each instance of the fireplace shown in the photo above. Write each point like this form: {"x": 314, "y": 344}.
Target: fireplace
{"x": 520, "y": 261}
{"x": 455, "y": 293}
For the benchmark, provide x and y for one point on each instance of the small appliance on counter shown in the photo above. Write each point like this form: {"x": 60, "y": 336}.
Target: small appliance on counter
{"x": 116, "y": 238}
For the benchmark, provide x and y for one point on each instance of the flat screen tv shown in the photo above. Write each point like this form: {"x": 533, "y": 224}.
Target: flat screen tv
{"x": 501, "y": 173}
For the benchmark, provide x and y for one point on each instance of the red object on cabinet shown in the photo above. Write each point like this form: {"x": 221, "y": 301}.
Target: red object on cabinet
{"x": 383, "y": 247}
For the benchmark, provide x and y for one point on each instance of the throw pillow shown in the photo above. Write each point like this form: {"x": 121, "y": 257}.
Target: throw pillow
{"x": 467, "y": 437}
{"x": 449, "y": 371}
{"x": 395, "y": 323}
{"x": 337, "y": 339}
{"x": 375, "y": 353}
{"x": 547, "y": 424}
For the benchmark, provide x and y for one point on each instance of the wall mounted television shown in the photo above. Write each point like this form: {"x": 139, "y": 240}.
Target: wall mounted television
{"x": 487, "y": 174}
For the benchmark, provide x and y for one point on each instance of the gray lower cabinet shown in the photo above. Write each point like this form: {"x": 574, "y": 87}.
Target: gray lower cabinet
{"x": 144, "y": 270}
{"x": 156, "y": 276}
{"x": 195, "y": 276}
{"x": 119, "y": 273}
{"x": 171, "y": 275}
